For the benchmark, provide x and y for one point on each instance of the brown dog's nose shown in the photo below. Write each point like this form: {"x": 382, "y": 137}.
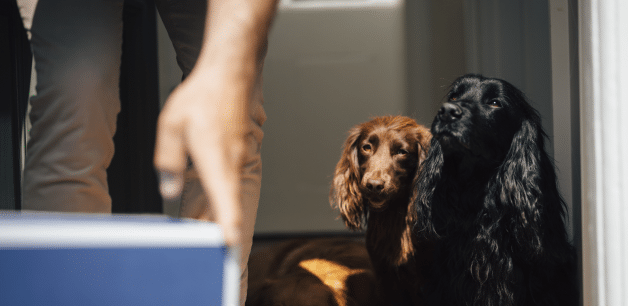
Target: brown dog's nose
{"x": 375, "y": 185}
{"x": 449, "y": 112}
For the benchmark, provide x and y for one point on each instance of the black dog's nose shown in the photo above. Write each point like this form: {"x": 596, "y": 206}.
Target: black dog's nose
{"x": 449, "y": 112}
{"x": 375, "y": 185}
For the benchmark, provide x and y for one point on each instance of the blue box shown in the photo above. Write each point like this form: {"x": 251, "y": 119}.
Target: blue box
{"x": 93, "y": 259}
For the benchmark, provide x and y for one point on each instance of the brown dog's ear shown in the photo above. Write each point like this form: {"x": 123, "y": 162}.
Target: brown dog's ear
{"x": 345, "y": 193}
{"x": 424, "y": 139}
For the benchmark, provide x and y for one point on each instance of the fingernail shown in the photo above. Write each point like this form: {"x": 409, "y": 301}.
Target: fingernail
{"x": 170, "y": 184}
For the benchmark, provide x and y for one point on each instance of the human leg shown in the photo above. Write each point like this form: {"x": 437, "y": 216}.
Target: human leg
{"x": 77, "y": 48}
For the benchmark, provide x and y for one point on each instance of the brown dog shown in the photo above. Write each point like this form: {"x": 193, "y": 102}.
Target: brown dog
{"x": 372, "y": 188}
{"x": 373, "y": 179}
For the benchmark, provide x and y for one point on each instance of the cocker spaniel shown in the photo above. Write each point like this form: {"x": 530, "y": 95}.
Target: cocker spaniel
{"x": 372, "y": 188}
{"x": 488, "y": 196}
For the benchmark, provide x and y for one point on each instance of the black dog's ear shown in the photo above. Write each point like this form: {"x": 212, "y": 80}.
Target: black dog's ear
{"x": 425, "y": 184}
{"x": 345, "y": 193}
{"x": 525, "y": 187}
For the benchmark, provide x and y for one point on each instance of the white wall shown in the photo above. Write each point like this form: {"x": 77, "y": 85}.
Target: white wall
{"x": 603, "y": 29}
{"x": 330, "y": 65}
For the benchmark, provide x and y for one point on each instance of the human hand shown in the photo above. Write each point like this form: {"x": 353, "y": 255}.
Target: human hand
{"x": 205, "y": 118}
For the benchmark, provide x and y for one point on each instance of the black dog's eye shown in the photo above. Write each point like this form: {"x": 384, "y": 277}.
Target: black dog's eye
{"x": 366, "y": 148}
{"x": 495, "y": 103}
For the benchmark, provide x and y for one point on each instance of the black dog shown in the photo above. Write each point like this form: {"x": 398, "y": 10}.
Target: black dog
{"x": 488, "y": 196}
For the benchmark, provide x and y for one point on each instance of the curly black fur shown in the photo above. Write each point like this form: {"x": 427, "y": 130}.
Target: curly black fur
{"x": 488, "y": 195}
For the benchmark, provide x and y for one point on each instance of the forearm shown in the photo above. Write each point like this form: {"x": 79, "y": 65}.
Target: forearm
{"x": 236, "y": 33}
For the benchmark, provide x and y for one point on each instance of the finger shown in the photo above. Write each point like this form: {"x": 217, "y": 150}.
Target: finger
{"x": 170, "y": 184}
{"x": 170, "y": 156}
{"x": 218, "y": 165}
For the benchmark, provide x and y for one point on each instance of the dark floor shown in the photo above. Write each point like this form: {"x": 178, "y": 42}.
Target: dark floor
{"x": 266, "y": 240}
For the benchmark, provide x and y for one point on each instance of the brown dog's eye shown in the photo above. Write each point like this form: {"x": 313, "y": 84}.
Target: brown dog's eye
{"x": 366, "y": 148}
{"x": 495, "y": 103}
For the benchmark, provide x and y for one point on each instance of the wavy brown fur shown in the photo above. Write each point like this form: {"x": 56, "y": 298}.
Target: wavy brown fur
{"x": 372, "y": 188}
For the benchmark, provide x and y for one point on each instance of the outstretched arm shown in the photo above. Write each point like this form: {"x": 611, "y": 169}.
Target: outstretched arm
{"x": 205, "y": 117}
